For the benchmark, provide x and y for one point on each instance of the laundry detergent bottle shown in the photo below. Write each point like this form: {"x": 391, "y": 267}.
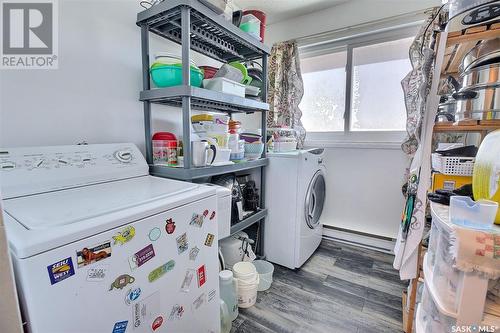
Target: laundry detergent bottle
{"x": 229, "y": 292}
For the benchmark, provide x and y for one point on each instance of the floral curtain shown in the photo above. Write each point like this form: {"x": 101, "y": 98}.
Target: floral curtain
{"x": 286, "y": 89}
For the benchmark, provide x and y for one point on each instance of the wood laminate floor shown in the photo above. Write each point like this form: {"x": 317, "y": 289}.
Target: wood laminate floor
{"x": 341, "y": 288}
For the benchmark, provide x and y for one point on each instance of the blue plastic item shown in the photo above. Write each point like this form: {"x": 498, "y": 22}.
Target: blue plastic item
{"x": 468, "y": 213}
{"x": 171, "y": 75}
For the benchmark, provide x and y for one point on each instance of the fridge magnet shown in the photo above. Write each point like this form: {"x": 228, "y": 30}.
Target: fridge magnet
{"x": 157, "y": 323}
{"x": 145, "y": 310}
{"x": 202, "y": 278}
{"x": 160, "y": 271}
{"x": 60, "y": 270}
{"x": 182, "y": 243}
{"x": 211, "y": 295}
{"x": 170, "y": 226}
{"x": 197, "y": 220}
{"x": 199, "y": 301}
{"x": 188, "y": 278}
{"x": 212, "y": 216}
{"x": 154, "y": 234}
{"x": 209, "y": 240}
{"x": 120, "y": 327}
{"x": 205, "y": 213}
{"x": 124, "y": 236}
{"x": 122, "y": 281}
{"x": 90, "y": 255}
{"x": 177, "y": 312}
{"x": 132, "y": 295}
{"x": 193, "y": 253}
{"x": 96, "y": 274}
{"x": 141, "y": 257}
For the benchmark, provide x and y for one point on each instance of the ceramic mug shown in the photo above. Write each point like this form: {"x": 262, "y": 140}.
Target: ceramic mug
{"x": 200, "y": 153}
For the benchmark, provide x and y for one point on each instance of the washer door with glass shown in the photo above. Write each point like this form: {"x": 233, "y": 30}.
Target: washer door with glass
{"x": 315, "y": 199}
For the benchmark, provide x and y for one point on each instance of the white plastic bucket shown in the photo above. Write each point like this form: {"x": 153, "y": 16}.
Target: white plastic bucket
{"x": 244, "y": 271}
{"x": 248, "y": 283}
{"x": 247, "y": 293}
{"x": 265, "y": 270}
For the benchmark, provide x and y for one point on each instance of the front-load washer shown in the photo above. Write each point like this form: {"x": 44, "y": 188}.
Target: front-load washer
{"x": 295, "y": 196}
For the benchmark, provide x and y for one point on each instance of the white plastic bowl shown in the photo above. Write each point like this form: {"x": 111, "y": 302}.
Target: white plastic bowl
{"x": 265, "y": 270}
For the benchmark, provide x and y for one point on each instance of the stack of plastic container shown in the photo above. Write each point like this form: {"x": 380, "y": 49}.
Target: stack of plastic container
{"x": 452, "y": 300}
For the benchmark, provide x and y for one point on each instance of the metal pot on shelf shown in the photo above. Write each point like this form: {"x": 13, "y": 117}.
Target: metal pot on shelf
{"x": 479, "y": 97}
{"x": 485, "y": 53}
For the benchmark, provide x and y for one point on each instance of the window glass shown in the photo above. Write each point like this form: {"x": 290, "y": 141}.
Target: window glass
{"x": 323, "y": 104}
{"x": 377, "y": 100}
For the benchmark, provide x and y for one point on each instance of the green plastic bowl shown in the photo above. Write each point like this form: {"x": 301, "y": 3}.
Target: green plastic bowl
{"x": 171, "y": 75}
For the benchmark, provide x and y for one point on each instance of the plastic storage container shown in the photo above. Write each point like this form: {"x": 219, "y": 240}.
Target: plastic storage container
{"x": 251, "y": 24}
{"x": 453, "y": 165}
{"x": 472, "y": 214}
{"x": 455, "y": 293}
{"x": 432, "y": 320}
{"x": 225, "y": 86}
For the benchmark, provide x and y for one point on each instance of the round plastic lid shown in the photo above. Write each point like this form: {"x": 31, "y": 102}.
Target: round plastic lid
{"x": 226, "y": 275}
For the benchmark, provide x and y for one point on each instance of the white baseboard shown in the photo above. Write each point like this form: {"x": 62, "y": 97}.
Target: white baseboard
{"x": 385, "y": 245}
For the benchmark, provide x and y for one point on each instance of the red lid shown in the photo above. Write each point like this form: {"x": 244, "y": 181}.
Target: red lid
{"x": 169, "y": 138}
{"x": 165, "y": 136}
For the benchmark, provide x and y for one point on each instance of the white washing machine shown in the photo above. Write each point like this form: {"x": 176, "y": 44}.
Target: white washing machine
{"x": 295, "y": 196}
{"x": 98, "y": 245}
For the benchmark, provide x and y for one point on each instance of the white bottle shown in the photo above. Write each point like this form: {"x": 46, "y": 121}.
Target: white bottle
{"x": 229, "y": 292}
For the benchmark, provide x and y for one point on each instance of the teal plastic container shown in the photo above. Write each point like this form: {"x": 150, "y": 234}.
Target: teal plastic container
{"x": 171, "y": 75}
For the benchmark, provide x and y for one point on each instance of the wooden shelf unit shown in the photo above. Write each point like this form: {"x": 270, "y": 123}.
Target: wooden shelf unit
{"x": 460, "y": 42}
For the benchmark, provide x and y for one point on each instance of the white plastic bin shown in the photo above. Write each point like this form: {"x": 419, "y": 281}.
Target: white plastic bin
{"x": 226, "y": 86}
{"x": 472, "y": 214}
{"x": 433, "y": 321}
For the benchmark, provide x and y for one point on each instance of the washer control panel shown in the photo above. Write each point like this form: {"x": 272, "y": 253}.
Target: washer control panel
{"x": 29, "y": 170}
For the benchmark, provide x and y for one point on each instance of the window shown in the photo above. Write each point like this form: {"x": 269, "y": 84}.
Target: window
{"x": 366, "y": 76}
{"x": 377, "y": 100}
{"x": 323, "y": 104}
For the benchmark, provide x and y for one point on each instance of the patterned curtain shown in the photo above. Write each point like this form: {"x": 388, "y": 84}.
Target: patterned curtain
{"x": 286, "y": 89}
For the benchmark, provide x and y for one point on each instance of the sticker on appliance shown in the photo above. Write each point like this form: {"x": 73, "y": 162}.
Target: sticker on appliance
{"x": 170, "y": 226}
{"x": 61, "y": 270}
{"x": 212, "y": 216}
{"x": 202, "y": 278}
{"x": 97, "y": 274}
{"x": 145, "y": 311}
{"x": 157, "y": 323}
{"x": 209, "y": 240}
{"x": 193, "y": 253}
{"x": 188, "y": 278}
{"x": 124, "y": 236}
{"x": 90, "y": 255}
{"x": 182, "y": 243}
{"x": 154, "y": 234}
{"x": 177, "y": 312}
{"x": 197, "y": 220}
{"x": 141, "y": 257}
{"x": 205, "y": 213}
{"x": 132, "y": 295}
{"x": 122, "y": 281}
{"x": 120, "y": 327}
{"x": 160, "y": 271}
{"x": 199, "y": 301}
{"x": 211, "y": 295}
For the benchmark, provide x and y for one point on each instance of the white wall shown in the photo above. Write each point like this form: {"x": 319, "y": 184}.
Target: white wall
{"x": 93, "y": 96}
{"x": 363, "y": 183}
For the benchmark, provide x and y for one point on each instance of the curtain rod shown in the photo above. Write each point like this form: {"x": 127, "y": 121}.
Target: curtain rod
{"x": 406, "y": 20}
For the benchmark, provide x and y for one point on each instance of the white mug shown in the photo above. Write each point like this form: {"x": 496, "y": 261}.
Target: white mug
{"x": 200, "y": 153}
